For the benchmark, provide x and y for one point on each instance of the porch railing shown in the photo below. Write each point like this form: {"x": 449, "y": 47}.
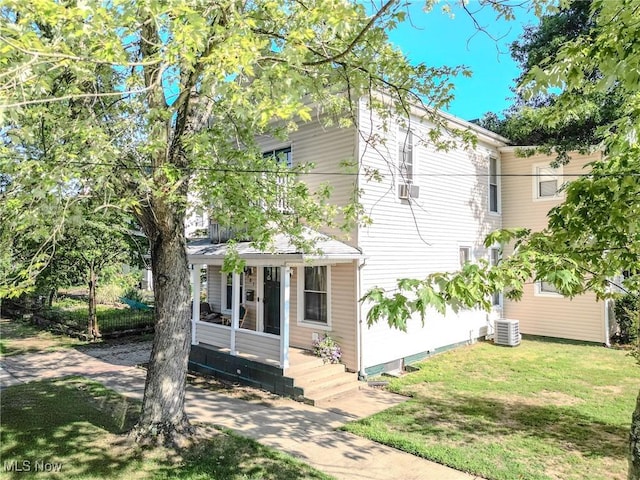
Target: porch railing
{"x": 261, "y": 345}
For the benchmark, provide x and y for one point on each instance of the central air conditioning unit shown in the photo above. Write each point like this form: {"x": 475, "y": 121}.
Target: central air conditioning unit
{"x": 507, "y": 332}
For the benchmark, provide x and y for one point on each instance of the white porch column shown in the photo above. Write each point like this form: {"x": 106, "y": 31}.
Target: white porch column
{"x": 195, "y": 309}
{"x": 285, "y": 284}
{"x": 235, "y": 310}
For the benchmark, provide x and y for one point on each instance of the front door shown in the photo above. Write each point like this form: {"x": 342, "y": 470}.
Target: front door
{"x": 272, "y": 300}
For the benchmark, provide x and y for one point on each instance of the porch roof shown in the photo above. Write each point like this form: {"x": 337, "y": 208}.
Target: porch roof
{"x": 281, "y": 251}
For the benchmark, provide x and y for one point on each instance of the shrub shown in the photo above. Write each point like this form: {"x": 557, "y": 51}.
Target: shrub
{"x": 133, "y": 293}
{"x": 626, "y": 312}
{"x": 327, "y": 349}
{"x": 109, "y": 294}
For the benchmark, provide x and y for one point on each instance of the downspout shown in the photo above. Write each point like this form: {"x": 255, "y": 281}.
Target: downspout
{"x": 607, "y": 323}
{"x": 361, "y": 372}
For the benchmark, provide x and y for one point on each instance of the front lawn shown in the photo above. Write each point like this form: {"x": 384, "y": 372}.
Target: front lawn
{"x": 74, "y": 427}
{"x": 19, "y": 336}
{"x": 542, "y": 410}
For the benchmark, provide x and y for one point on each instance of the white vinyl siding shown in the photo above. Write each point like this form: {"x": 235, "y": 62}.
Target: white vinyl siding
{"x": 413, "y": 242}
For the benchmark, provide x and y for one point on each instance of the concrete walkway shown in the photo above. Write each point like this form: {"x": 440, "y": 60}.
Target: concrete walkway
{"x": 303, "y": 431}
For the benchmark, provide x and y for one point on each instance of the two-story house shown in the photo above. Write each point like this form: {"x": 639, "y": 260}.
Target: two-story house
{"x": 430, "y": 213}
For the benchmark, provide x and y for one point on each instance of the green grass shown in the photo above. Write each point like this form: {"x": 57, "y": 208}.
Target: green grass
{"x": 18, "y": 337}
{"x": 79, "y": 424}
{"x": 109, "y": 318}
{"x": 543, "y": 410}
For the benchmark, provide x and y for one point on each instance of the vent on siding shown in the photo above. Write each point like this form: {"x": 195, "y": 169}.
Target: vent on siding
{"x": 507, "y": 332}
{"x": 407, "y": 191}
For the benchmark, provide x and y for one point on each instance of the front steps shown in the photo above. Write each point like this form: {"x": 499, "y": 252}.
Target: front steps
{"x": 320, "y": 382}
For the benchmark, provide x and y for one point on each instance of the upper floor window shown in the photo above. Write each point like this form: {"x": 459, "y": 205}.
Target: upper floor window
{"x": 282, "y": 156}
{"x": 283, "y": 182}
{"x": 405, "y": 156}
{"x": 547, "y": 182}
{"x": 494, "y": 192}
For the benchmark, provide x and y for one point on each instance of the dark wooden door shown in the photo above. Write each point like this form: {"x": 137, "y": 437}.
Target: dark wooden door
{"x": 272, "y": 300}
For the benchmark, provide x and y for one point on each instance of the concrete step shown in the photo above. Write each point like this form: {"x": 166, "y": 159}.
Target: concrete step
{"x": 323, "y": 399}
{"x": 318, "y": 389}
{"x": 303, "y": 364}
{"x": 318, "y": 374}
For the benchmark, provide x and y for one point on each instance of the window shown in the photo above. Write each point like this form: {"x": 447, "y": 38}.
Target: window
{"x": 547, "y": 287}
{"x": 547, "y": 184}
{"x": 227, "y": 290}
{"x": 493, "y": 185}
{"x": 465, "y": 255}
{"x": 494, "y": 259}
{"x": 315, "y": 294}
{"x": 283, "y": 157}
{"x": 405, "y": 156}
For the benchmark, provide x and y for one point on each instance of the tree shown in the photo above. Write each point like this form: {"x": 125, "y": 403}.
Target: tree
{"x": 595, "y": 234}
{"x": 520, "y": 123}
{"x": 89, "y": 244}
{"x": 138, "y": 102}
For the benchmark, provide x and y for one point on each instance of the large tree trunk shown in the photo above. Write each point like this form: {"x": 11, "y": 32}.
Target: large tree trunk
{"x": 634, "y": 444}
{"x": 163, "y": 419}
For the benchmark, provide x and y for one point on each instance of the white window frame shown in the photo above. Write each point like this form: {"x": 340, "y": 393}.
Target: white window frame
{"x": 223, "y": 291}
{"x": 497, "y": 185}
{"x": 540, "y": 292}
{"x": 493, "y": 261}
{"x": 300, "y": 303}
{"x": 406, "y": 147}
{"x": 469, "y": 249}
{"x": 549, "y": 173}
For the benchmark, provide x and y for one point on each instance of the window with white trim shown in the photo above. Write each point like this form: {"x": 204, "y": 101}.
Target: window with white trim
{"x": 314, "y": 297}
{"x": 544, "y": 288}
{"x": 227, "y": 291}
{"x": 494, "y": 192}
{"x": 465, "y": 255}
{"x": 282, "y": 156}
{"x": 405, "y": 156}
{"x": 547, "y": 182}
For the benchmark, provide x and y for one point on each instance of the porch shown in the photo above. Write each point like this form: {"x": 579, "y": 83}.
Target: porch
{"x": 281, "y": 299}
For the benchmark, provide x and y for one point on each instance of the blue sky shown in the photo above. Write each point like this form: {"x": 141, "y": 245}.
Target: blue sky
{"x": 437, "y": 39}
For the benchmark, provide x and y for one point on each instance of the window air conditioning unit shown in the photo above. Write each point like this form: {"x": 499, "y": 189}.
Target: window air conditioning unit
{"x": 407, "y": 191}
{"x": 507, "y": 332}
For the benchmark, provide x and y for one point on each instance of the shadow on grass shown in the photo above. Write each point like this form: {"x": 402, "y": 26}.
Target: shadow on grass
{"x": 471, "y": 419}
{"x": 230, "y": 456}
{"x": 66, "y": 421}
{"x": 80, "y": 424}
